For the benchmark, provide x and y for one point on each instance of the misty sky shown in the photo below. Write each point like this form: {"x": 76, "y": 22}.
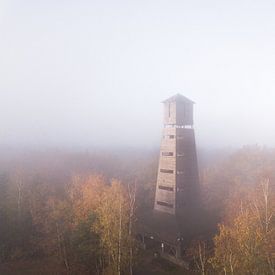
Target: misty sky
{"x": 88, "y": 73}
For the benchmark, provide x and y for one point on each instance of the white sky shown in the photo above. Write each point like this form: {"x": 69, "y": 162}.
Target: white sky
{"x": 86, "y": 73}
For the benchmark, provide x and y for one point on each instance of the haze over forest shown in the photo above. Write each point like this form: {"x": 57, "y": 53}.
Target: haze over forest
{"x": 93, "y": 73}
{"x": 90, "y": 183}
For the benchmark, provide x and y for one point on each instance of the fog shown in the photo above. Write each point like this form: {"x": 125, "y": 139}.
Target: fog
{"x": 94, "y": 73}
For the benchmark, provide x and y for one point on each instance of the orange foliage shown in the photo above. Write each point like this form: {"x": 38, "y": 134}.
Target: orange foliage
{"x": 85, "y": 194}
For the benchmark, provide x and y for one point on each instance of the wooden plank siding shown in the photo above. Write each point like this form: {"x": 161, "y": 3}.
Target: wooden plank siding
{"x": 178, "y": 170}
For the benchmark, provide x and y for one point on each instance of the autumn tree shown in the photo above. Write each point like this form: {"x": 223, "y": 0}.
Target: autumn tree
{"x": 114, "y": 216}
{"x": 245, "y": 245}
{"x": 85, "y": 195}
{"x": 59, "y": 220}
{"x": 105, "y": 215}
{"x": 199, "y": 253}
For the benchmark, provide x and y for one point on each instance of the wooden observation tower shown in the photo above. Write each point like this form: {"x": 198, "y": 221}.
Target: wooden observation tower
{"x": 175, "y": 218}
{"x": 177, "y": 182}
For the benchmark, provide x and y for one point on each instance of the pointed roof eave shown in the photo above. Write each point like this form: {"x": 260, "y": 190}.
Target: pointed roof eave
{"x": 178, "y": 97}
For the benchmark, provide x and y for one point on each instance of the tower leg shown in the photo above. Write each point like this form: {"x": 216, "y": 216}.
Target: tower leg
{"x": 143, "y": 242}
{"x": 178, "y": 251}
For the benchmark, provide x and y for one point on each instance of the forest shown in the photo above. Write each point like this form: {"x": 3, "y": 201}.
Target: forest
{"x": 71, "y": 212}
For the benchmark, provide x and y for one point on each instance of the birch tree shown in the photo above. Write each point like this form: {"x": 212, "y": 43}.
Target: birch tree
{"x": 246, "y": 245}
{"x": 114, "y": 226}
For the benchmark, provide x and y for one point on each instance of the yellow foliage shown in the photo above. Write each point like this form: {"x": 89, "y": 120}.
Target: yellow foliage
{"x": 245, "y": 245}
{"x": 86, "y": 195}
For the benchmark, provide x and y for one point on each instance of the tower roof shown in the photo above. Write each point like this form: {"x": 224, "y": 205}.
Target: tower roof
{"x": 178, "y": 98}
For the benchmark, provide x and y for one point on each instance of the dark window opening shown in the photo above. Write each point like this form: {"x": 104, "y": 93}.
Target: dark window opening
{"x": 167, "y": 188}
{"x": 167, "y": 154}
{"x": 169, "y": 109}
{"x": 167, "y": 171}
{"x": 168, "y": 136}
{"x": 165, "y": 204}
